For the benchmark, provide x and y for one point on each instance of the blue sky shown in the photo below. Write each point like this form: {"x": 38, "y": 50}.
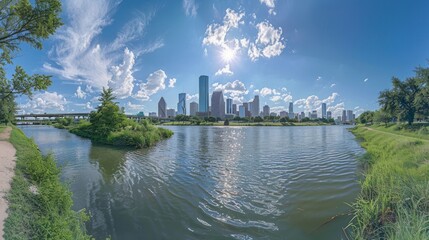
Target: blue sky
{"x": 342, "y": 53}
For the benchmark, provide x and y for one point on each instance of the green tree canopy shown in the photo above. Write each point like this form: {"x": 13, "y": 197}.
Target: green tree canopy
{"x": 22, "y": 21}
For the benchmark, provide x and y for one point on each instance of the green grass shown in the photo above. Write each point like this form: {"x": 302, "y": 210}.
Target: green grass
{"x": 417, "y": 130}
{"x": 394, "y": 199}
{"x": 46, "y": 214}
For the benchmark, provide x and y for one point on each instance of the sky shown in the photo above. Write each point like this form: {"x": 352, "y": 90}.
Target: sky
{"x": 342, "y": 53}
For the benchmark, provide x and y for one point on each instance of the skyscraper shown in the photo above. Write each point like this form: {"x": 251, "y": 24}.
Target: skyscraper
{"x": 291, "y": 114}
{"x": 350, "y": 116}
{"x": 324, "y": 110}
{"x": 229, "y": 106}
{"x": 171, "y": 113}
{"x": 266, "y": 111}
{"x": 181, "y": 105}
{"x": 203, "y": 94}
{"x": 246, "y": 109}
{"x": 218, "y": 105}
{"x": 255, "y": 106}
{"x": 193, "y": 108}
{"x": 328, "y": 114}
{"x": 241, "y": 111}
{"x": 234, "y": 109}
{"x": 344, "y": 117}
{"x": 162, "y": 108}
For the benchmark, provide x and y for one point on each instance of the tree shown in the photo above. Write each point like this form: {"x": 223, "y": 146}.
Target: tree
{"x": 401, "y": 100}
{"x": 366, "y": 117}
{"x": 258, "y": 119}
{"x": 108, "y": 117}
{"x": 20, "y": 21}
{"x": 382, "y": 116}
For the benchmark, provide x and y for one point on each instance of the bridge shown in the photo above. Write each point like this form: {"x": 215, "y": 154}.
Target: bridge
{"x": 44, "y": 118}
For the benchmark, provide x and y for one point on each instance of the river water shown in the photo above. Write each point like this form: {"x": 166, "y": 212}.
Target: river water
{"x": 213, "y": 182}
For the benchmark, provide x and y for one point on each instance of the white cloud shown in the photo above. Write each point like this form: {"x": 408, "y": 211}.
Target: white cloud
{"x": 131, "y": 106}
{"x": 80, "y": 93}
{"x": 122, "y": 76}
{"x": 331, "y": 98}
{"x": 216, "y": 33}
{"x": 88, "y": 89}
{"x": 46, "y": 101}
{"x": 171, "y": 82}
{"x": 318, "y": 78}
{"x": 244, "y": 42}
{"x": 276, "y": 98}
{"x": 89, "y": 106}
{"x": 190, "y": 8}
{"x": 154, "y": 83}
{"x": 287, "y": 97}
{"x": 313, "y": 102}
{"x": 235, "y": 90}
{"x": 271, "y": 5}
{"x": 266, "y": 91}
{"x": 205, "y": 52}
{"x": 225, "y": 71}
{"x": 192, "y": 98}
{"x": 337, "y": 110}
{"x": 269, "y": 42}
{"x": 365, "y": 80}
{"x": 333, "y": 85}
{"x": 78, "y": 55}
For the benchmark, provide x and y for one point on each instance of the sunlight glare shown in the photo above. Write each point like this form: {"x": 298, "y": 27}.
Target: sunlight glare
{"x": 228, "y": 54}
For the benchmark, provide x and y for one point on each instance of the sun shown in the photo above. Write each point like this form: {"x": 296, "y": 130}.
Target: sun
{"x": 228, "y": 54}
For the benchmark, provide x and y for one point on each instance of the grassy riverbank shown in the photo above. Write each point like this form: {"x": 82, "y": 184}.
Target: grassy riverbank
{"x": 39, "y": 204}
{"x": 394, "y": 200}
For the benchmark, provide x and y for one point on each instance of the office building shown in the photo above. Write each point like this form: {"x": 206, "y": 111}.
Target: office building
{"x": 250, "y": 104}
{"x": 324, "y": 110}
{"x": 241, "y": 111}
{"x": 229, "y": 106}
{"x": 162, "y": 108}
{"x": 234, "y": 109}
{"x": 218, "y": 105}
{"x": 313, "y": 115}
{"x": 273, "y": 114}
{"x": 193, "y": 108}
{"x": 266, "y": 111}
{"x": 283, "y": 114}
{"x": 152, "y": 114}
{"x": 203, "y": 106}
{"x": 328, "y": 114}
{"x": 171, "y": 113}
{"x": 302, "y": 115}
{"x": 255, "y": 106}
{"x": 246, "y": 109}
{"x": 181, "y": 105}
{"x": 344, "y": 116}
{"x": 350, "y": 116}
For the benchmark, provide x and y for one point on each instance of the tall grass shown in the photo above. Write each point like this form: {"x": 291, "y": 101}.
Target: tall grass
{"x": 394, "y": 199}
{"x": 39, "y": 204}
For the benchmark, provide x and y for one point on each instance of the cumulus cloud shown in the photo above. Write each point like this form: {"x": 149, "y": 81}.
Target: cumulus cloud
{"x": 190, "y": 7}
{"x": 192, "y": 97}
{"x": 270, "y": 4}
{"x": 337, "y": 110}
{"x": 80, "y": 93}
{"x": 154, "y": 83}
{"x": 318, "y": 78}
{"x": 216, "y": 33}
{"x": 333, "y": 85}
{"x": 132, "y": 106}
{"x": 365, "y": 80}
{"x": 266, "y": 91}
{"x": 224, "y": 71}
{"x": 45, "y": 101}
{"x": 269, "y": 42}
{"x": 313, "y": 102}
{"x": 171, "y": 82}
{"x": 235, "y": 90}
{"x": 122, "y": 81}
{"x": 78, "y": 55}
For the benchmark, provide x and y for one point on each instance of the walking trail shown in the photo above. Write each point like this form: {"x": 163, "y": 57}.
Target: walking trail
{"x": 7, "y": 166}
{"x": 398, "y": 135}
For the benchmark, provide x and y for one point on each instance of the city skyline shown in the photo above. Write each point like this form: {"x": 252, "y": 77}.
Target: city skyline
{"x": 265, "y": 48}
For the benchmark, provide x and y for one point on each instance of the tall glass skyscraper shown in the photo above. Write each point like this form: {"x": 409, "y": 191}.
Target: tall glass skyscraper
{"x": 203, "y": 105}
{"x": 181, "y": 105}
{"x": 229, "y": 106}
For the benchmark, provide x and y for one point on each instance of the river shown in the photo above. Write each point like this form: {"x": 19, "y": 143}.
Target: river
{"x": 212, "y": 182}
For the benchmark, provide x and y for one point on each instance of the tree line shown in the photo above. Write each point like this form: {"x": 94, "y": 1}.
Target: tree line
{"x": 406, "y": 101}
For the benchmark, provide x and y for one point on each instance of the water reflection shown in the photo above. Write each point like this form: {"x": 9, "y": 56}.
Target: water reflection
{"x": 213, "y": 182}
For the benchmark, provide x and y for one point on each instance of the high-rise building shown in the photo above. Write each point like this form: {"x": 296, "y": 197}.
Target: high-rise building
{"x": 324, "y": 110}
{"x": 350, "y": 116}
{"x": 234, "y": 109}
{"x": 241, "y": 111}
{"x": 344, "y": 116}
{"x": 152, "y": 114}
{"x": 229, "y": 106}
{"x": 314, "y": 115}
{"x": 203, "y": 106}
{"x": 246, "y": 109}
{"x": 283, "y": 114}
{"x": 328, "y": 114}
{"x": 181, "y": 105}
{"x": 218, "y": 105}
{"x": 162, "y": 108}
{"x": 302, "y": 115}
{"x": 171, "y": 113}
{"x": 266, "y": 110}
{"x": 250, "y": 108}
{"x": 255, "y": 106}
{"x": 290, "y": 107}
{"x": 193, "y": 108}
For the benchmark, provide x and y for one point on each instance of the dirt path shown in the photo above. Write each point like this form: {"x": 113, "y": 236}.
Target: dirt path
{"x": 394, "y": 134}
{"x": 7, "y": 166}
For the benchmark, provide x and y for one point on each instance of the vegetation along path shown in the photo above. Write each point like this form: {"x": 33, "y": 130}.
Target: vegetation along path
{"x": 7, "y": 165}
